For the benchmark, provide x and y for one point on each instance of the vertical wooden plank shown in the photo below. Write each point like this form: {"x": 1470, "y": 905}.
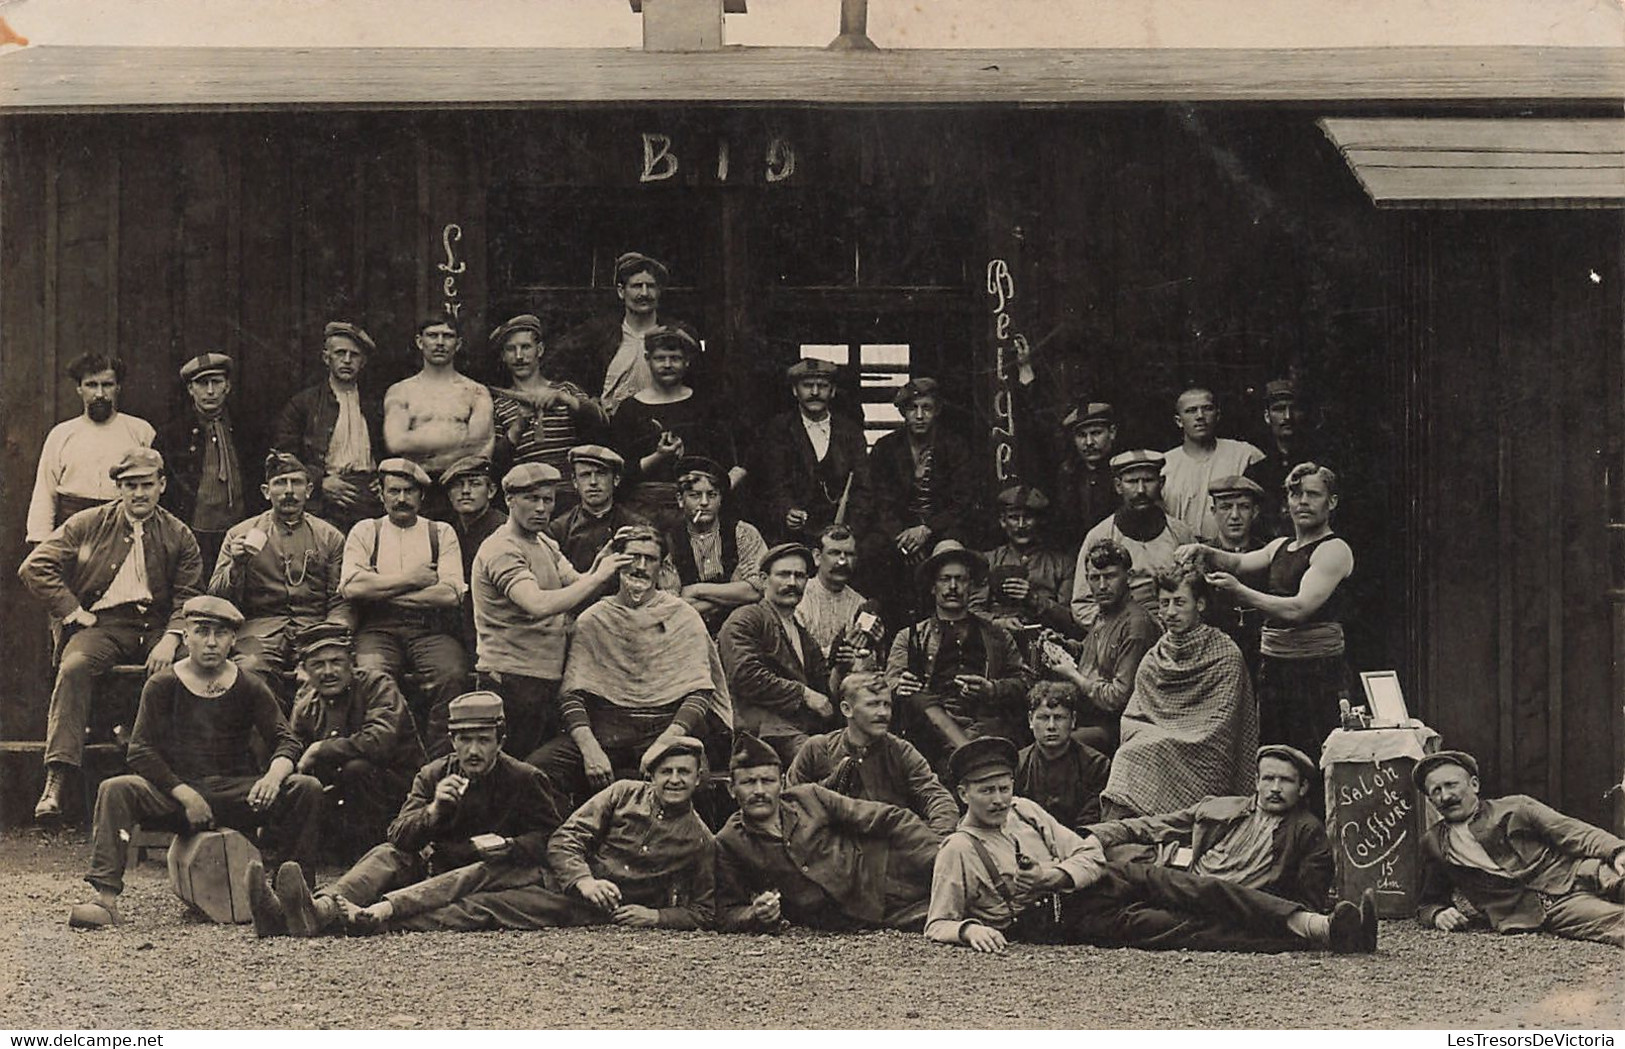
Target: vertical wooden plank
{"x": 1506, "y": 539}
{"x": 276, "y": 354}
{"x": 149, "y": 265}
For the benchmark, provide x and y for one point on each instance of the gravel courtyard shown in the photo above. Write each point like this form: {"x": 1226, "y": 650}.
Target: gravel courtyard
{"x": 169, "y": 969}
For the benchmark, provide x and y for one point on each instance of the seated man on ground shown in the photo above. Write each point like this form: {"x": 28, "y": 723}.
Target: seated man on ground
{"x": 1061, "y": 774}
{"x": 1011, "y": 872}
{"x": 358, "y": 736}
{"x": 1269, "y": 840}
{"x": 474, "y": 819}
{"x": 1512, "y": 863}
{"x": 641, "y": 668}
{"x": 864, "y": 760}
{"x": 1191, "y": 718}
{"x": 808, "y": 856}
{"x": 192, "y": 766}
{"x": 636, "y": 854}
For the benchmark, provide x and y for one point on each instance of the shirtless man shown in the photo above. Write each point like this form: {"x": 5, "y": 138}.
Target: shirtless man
{"x": 438, "y": 415}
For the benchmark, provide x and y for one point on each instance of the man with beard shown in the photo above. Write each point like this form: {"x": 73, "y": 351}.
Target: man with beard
{"x": 469, "y": 486}
{"x": 830, "y": 607}
{"x": 474, "y": 819}
{"x": 116, "y": 577}
{"x": 1202, "y": 456}
{"x": 864, "y": 760}
{"x": 641, "y": 670}
{"x": 1030, "y": 582}
{"x": 1513, "y": 863}
{"x": 439, "y": 415}
{"x": 192, "y": 766}
{"x": 358, "y": 736}
{"x": 74, "y": 463}
{"x": 404, "y": 575}
{"x": 1268, "y": 840}
{"x": 808, "y": 856}
{"x": 778, "y": 677}
{"x": 1293, "y": 440}
{"x": 1084, "y": 491}
{"x": 206, "y": 487}
{"x": 959, "y": 674}
{"x": 717, "y": 557}
{"x": 582, "y": 531}
{"x": 814, "y": 461}
{"x": 281, "y": 569}
{"x": 335, "y": 427}
{"x": 523, "y": 591}
{"x": 1140, "y": 526}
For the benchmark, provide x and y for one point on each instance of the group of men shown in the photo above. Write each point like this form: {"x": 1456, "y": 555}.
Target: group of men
{"x": 472, "y": 695}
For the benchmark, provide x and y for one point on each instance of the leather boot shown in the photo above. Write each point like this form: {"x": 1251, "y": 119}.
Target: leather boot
{"x": 50, "y": 799}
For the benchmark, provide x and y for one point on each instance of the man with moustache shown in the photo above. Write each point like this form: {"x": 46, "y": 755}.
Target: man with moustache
{"x": 605, "y": 356}
{"x": 582, "y": 531}
{"x": 813, "y": 460}
{"x": 1031, "y": 582}
{"x": 864, "y": 760}
{"x": 1269, "y": 840}
{"x": 403, "y": 574}
{"x": 1202, "y": 456}
{"x": 473, "y": 819}
{"x": 808, "y": 856}
{"x": 716, "y": 556}
{"x": 523, "y": 591}
{"x": 1084, "y": 492}
{"x": 357, "y": 734}
{"x": 778, "y": 677}
{"x": 1140, "y": 526}
{"x": 1514, "y": 864}
{"x": 74, "y": 463}
{"x": 335, "y": 428}
{"x": 207, "y": 490}
{"x": 439, "y": 415}
{"x": 116, "y": 576}
{"x": 281, "y": 569}
{"x": 641, "y": 670}
{"x": 192, "y": 765}
{"x": 830, "y": 606}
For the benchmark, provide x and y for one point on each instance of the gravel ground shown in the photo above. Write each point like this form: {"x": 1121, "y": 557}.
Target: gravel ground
{"x": 167, "y": 968}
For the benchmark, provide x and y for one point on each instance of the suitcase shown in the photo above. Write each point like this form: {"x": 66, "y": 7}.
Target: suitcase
{"x": 207, "y": 870}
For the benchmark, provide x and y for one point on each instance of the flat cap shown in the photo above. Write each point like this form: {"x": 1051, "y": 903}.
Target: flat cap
{"x": 1303, "y": 763}
{"x": 405, "y": 468}
{"x": 676, "y": 334}
{"x": 207, "y": 606}
{"x": 354, "y": 332}
{"x": 981, "y": 758}
{"x": 475, "y": 710}
{"x": 812, "y": 367}
{"x": 1235, "y": 484}
{"x": 526, "y": 476}
{"x": 667, "y": 747}
{"x": 1023, "y": 497}
{"x": 524, "y": 322}
{"x": 750, "y": 752}
{"x": 1090, "y": 412}
{"x": 914, "y": 389}
{"x": 633, "y": 262}
{"x": 1138, "y": 457}
{"x": 467, "y": 466}
{"x": 788, "y": 550}
{"x": 597, "y": 453}
{"x": 691, "y": 466}
{"x": 1419, "y": 774}
{"x": 139, "y": 461}
{"x": 1277, "y": 390}
{"x": 951, "y": 550}
{"x": 313, "y": 639}
{"x": 278, "y": 464}
{"x": 205, "y": 364}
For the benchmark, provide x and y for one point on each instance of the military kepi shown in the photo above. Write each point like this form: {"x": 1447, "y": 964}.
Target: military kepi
{"x": 475, "y": 710}
{"x": 750, "y": 752}
{"x": 981, "y": 758}
{"x": 207, "y": 606}
{"x": 137, "y": 462}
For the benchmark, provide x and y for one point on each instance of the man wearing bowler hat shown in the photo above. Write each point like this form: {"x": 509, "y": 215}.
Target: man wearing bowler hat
{"x": 813, "y": 462}
{"x": 207, "y": 488}
{"x": 281, "y": 568}
{"x": 1011, "y": 872}
{"x": 1030, "y": 582}
{"x": 1514, "y": 864}
{"x": 473, "y": 819}
{"x": 115, "y": 576}
{"x": 595, "y": 473}
{"x": 336, "y": 429}
{"x": 403, "y": 573}
{"x": 958, "y": 674}
{"x": 192, "y": 763}
{"x": 1268, "y": 840}
{"x": 1084, "y": 493}
{"x": 1140, "y": 526}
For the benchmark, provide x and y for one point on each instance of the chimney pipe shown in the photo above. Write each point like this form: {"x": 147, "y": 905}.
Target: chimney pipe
{"x": 854, "y": 28}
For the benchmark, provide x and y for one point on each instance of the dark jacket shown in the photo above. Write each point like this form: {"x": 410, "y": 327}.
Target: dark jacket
{"x": 73, "y": 567}
{"x": 791, "y": 476}
{"x": 851, "y": 848}
{"x": 304, "y": 429}
{"x": 582, "y": 354}
{"x": 891, "y": 477}
{"x": 514, "y": 800}
{"x": 1083, "y": 498}
{"x": 180, "y": 738}
{"x": 1069, "y": 787}
{"x": 370, "y": 721}
{"x": 183, "y": 444}
{"x": 581, "y": 535}
{"x": 892, "y": 771}
{"x": 1301, "y": 865}
{"x": 1541, "y": 850}
{"x": 1003, "y": 712}
{"x": 767, "y": 681}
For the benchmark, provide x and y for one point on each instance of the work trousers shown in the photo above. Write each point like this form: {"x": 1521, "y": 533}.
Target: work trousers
{"x": 390, "y": 646}
{"x": 1594, "y": 910}
{"x": 362, "y": 799}
{"x": 1298, "y": 700}
{"x": 121, "y": 635}
{"x": 531, "y": 706}
{"x": 123, "y": 803}
{"x": 1154, "y": 908}
{"x": 402, "y": 878}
